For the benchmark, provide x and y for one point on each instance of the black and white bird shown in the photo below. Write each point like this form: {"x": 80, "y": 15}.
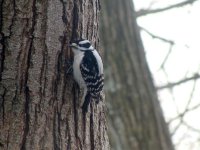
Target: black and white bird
{"x": 87, "y": 71}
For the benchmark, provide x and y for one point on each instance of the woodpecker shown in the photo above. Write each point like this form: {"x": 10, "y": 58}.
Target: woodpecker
{"x": 87, "y": 71}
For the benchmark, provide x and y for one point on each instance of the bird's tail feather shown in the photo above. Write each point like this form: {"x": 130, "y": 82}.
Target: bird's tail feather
{"x": 86, "y": 102}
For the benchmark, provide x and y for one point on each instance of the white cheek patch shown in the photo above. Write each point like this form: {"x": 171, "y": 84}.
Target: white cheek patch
{"x": 85, "y": 49}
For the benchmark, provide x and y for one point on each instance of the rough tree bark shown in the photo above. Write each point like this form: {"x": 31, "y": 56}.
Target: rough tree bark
{"x": 40, "y": 106}
{"x": 135, "y": 118}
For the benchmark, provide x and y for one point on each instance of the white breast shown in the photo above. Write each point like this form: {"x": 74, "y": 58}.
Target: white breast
{"x": 76, "y": 70}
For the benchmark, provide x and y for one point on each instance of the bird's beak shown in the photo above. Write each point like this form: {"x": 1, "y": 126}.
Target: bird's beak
{"x": 72, "y": 45}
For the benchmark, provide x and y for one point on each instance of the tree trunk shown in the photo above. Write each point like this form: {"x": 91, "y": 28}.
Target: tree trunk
{"x": 135, "y": 118}
{"x": 40, "y": 106}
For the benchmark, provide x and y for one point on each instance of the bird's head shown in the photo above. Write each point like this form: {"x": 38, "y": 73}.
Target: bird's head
{"x": 81, "y": 45}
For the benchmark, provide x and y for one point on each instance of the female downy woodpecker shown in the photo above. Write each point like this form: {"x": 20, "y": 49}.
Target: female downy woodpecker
{"x": 87, "y": 71}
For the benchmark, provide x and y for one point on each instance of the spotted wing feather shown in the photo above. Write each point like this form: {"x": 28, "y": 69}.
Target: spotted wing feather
{"x": 90, "y": 73}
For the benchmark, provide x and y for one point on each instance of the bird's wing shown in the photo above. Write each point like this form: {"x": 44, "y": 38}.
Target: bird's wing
{"x": 89, "y": 70}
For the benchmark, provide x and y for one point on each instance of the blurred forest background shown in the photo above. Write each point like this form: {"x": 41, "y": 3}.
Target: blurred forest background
{"x": 170, "y": 35}
{"x": 170, "y": 32}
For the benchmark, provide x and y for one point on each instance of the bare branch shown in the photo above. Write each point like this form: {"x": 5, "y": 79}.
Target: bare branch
{"x": 171, "y": 85}
{"x": 177, "y": 127}
{"x": 144, "y": 12}
{"x": 187, "y": 109}
{"x": 157, "y": 37}
{"x": 191, "y": 127}
{"x": 171, "y": 43}
{"x": 183, "y": 113}
{"x": 166, "y": 57}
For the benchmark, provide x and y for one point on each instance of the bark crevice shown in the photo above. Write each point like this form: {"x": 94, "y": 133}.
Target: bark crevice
{"x": 12, "y": 20}
{"x": 92, "y": 140}
{"x": 26, "y": 75}
{"x": 64, "y": 16}
{"x": 75, "y": 21}
{"x": 2, "y": 51}
{"x": 2, "y": 44}
{"x": 26, "y": 120}
{"x": 2, "y": 101}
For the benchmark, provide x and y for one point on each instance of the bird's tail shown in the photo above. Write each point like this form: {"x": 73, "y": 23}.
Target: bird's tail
{"x": 86, "y": 102}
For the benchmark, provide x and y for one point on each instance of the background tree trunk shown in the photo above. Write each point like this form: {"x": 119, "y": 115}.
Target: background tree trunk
{"x": 40, "y": 106}
{"x": 135, "y": 118}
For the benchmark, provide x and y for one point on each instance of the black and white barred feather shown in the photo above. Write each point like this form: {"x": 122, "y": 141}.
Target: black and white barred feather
{"x": 94, "y": 80}
{"x": 91, "y": 75}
